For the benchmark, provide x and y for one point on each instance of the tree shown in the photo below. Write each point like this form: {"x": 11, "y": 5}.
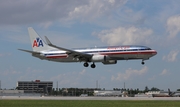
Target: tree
{"x": 52, "y": 91}
{"x": 155, "y": 89}
{"x": 17, "y": 88}
{"x": 178, "y": 89}
{"x": 59, "y": 92}
{"x": 146, "y": 89}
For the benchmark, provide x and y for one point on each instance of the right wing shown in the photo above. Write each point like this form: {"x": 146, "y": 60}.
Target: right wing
{"x": 75, "y": 54}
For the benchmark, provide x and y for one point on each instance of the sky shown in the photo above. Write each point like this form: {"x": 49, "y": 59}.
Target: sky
{"x": 89, "y": 23}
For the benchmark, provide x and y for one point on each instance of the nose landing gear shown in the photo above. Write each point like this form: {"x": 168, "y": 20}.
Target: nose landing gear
{"x": 142, "y": 62}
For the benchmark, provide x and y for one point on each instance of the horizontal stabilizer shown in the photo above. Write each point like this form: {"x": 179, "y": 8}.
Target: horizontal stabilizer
{"x": 29, "y": 51}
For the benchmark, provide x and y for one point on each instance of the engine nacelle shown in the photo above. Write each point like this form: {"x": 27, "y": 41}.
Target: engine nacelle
{"x": 110, "y": 62}
{"x": 98, "y": 58}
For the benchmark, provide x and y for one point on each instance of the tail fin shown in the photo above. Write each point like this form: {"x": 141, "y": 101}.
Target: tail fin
{"x": 37, "y": 42}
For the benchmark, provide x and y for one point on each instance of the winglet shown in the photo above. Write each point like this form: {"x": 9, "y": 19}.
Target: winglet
{"x": 48, "y": 41}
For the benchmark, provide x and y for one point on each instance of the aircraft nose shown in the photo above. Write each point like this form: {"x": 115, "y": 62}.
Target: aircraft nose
{"x": 154, "y": 53}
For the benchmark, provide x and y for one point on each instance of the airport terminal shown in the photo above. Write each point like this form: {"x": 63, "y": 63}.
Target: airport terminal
{"x": 36, "y": 86}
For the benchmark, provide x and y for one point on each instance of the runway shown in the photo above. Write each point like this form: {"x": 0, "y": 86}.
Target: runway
{"x": 87, "y": 98}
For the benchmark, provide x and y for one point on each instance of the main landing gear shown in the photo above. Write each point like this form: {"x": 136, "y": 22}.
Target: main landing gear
{"x": 92, "y": 65}
{"x": 86, "y": 64}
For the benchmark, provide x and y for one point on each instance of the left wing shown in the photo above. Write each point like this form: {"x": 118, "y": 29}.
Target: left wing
{"x": 81, "y": 56}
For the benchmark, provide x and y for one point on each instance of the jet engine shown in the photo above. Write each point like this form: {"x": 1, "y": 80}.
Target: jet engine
{"x": 99, "y": 58}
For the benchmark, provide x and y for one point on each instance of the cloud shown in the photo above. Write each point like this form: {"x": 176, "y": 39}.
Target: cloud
{"x": 17, "y": 39}
{"x": 173, "y": 26}
{"x": 45, "y": 12}
{"x": 125, "y": 35}
{"x": 10, "y": 72}
{"x": 95, "y": 9}
{"x": 152, "y": 78}
{"x": 30, "y": 12}
{"x": 164, "y": 72}
{"x": 69, "y": 40}
{"x": 66, "y": 79}
{"x": 82, "y": 72}
{"x": 130, "y": 73}
{"x": 171, "y": 57}
{"x": 32, "y": 74}
{"x": 46, "y": 24}
{"x": 5, "y": 54}
{"x": 72, "y": 79}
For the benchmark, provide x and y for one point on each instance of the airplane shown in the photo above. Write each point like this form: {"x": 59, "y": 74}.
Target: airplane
{"x": 167, "y": 94}
{"x": 106, "y": 55}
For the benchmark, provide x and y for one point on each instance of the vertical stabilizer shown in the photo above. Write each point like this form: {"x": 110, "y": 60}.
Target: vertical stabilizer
{"x": 37, "y": 42}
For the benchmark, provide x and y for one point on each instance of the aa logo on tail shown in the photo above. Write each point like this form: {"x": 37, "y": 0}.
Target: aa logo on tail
{"x": 37, "y": 43}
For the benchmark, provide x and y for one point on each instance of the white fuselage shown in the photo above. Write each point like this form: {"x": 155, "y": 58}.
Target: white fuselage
{"x": 113, "y": 53}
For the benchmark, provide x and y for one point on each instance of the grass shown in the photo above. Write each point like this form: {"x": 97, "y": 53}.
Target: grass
{"x": 86, "y": 103}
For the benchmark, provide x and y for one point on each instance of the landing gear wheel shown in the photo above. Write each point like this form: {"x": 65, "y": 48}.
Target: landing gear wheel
{"x": 93, "y": 65}
{"x": 142, "y": 63}
{"x": 86, "y": 64}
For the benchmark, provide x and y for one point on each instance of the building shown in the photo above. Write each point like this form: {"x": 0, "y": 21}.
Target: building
{"x": 36, "y": 86}
{"x": 78, "y": 91}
